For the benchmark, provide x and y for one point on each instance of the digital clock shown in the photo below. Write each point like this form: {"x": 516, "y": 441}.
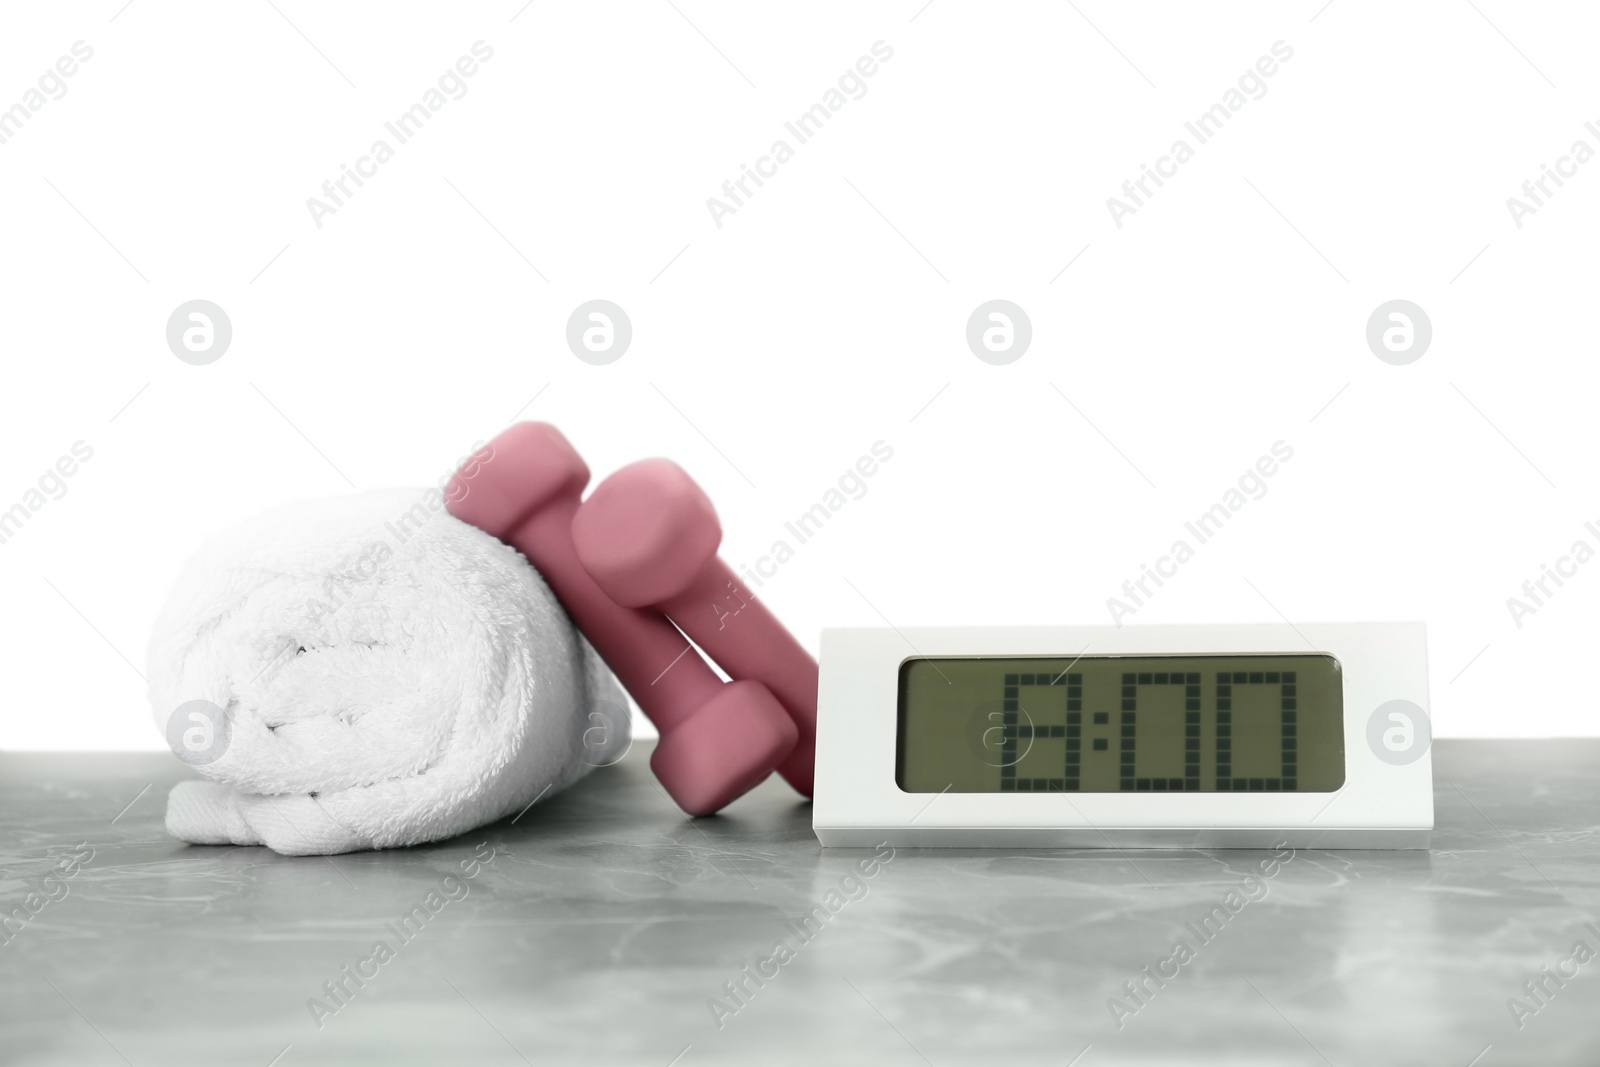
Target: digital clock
{"x": 1160, "y": 736}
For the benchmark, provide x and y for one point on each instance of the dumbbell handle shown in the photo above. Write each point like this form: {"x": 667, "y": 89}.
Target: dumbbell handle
{"x": 650, "y": 657}
{"x": 746, "y": 640}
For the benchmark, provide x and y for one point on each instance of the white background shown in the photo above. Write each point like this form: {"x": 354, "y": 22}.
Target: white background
{"x": 829, "y": 312}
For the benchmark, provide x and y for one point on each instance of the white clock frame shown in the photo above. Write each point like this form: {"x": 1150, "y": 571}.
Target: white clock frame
{"x": 858, "y": 803}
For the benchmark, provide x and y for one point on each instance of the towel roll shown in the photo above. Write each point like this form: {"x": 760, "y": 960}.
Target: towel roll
{"x": 370, "y": 672}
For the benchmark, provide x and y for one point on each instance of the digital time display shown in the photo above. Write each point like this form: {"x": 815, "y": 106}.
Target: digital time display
{"x": 1121, "y": 724}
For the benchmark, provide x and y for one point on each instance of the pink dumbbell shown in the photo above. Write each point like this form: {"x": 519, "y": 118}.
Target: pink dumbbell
{"x": 648, "y": 536}
{"x": 718, "y": 740}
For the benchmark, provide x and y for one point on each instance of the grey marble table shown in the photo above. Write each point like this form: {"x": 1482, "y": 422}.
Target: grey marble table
{"x": 607, "y": 928}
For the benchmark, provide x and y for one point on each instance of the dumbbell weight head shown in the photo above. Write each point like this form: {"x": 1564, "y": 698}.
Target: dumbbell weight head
{"x": 646, "y": 533}
{"x": 724, "y": 750}
{"x": 531, "y": 464}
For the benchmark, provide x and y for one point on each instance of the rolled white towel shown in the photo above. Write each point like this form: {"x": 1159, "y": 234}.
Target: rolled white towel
{"x": 370, "y": 672}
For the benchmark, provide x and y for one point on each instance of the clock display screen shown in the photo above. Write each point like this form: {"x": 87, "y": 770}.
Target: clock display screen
{"x": 1121, "y": 724}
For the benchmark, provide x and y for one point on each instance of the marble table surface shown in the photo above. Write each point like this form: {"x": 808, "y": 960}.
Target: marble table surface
{"x": 604, "y": 927}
